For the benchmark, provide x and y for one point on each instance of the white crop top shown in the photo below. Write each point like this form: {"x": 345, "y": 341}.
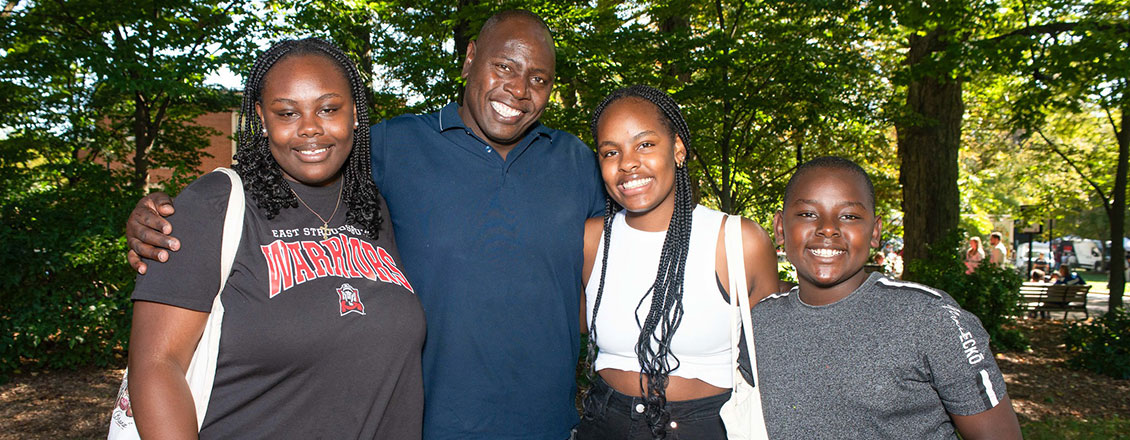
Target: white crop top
{"x": 702, "y": 341}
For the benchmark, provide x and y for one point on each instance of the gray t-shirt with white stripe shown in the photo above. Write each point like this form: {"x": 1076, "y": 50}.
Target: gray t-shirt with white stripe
{"x": 888, "y": 361}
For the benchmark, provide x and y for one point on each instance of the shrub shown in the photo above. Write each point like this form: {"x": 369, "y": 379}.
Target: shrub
{"x": 991, "y": 292}
{"x": 64, "y": 293}
{"x": 786, "y": 272}
{"x": 1101, "y": 345}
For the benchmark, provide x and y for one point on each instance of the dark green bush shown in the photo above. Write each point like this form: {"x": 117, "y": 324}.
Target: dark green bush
{"x": 786, "y": 272}
{"x": 991, "y": 292}
{"x": 64, "y": 291}
{"x": 1101, "y": 345}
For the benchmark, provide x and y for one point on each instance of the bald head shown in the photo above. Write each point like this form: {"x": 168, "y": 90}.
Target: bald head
{"x": 508, "y": 72}
{"x": 522, "y": 15}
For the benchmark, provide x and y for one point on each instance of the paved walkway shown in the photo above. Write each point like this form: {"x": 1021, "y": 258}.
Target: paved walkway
{"x": 1097, "y": 304}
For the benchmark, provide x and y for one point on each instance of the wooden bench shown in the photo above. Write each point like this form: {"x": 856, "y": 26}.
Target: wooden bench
{"x": 1032, "y": 296}
{"x": 1067, "y": 299}
{"x": 1044, "y": 298}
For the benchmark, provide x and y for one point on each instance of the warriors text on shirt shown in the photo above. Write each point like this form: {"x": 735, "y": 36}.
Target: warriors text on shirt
{"x": 295, "y": 262}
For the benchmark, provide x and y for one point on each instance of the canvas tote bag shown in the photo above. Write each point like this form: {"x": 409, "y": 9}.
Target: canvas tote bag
{"x": 202, "y": 370}
{"x": 742, "y": 414}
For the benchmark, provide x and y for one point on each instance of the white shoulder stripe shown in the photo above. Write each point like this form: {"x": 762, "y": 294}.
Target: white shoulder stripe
{"x": 992, "y": 395}
{"x": 892, "y": 283}
{"x": 778, "y": 295}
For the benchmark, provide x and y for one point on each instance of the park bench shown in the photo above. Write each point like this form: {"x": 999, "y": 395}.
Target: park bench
{"x": 1032, "y": 296}
{"x": 1043, "y": 298}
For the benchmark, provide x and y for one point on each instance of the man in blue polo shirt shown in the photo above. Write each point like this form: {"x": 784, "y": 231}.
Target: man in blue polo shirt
{"x": 488, "y": 207}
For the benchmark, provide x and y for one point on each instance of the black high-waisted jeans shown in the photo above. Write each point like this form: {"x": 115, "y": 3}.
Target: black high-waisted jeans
{"x": 612, "y": 415}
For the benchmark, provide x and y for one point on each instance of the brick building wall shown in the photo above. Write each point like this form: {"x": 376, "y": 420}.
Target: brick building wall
{"x": 221, "y": 146}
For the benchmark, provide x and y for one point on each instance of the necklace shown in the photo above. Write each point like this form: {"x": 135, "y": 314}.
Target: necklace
{"x": 325, "y": 229}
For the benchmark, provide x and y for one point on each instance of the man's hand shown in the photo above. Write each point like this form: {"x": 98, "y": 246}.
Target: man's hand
{"x": 147, "y": 231}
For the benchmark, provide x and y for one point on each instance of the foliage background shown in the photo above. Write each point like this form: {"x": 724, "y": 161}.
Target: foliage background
{"x": 1037, "y": 88}
{"x": 1102, "y": 346}
{"x": 991, "y": 292}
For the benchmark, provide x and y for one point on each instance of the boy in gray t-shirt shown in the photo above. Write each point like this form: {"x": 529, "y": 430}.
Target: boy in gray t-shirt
{"x": 847, "y": 355}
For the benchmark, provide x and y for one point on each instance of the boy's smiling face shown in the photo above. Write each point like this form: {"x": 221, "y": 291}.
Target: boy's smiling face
{"x": 828, "y": 228}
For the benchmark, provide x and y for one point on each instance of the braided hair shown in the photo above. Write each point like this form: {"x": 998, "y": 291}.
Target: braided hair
{"x": 262, "y": 174}
{"x": 653, "y": 348}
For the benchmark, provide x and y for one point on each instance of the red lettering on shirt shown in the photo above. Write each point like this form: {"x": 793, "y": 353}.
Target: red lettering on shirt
{"x": 279, "y": 276}
{"x": 293, "y": 263}
{"x": 336, "y": 255}
{"x": 358, "y": 259}
{"x": 350, "y": 261}
{"x": 302, "y": 270}
{"x": 397, "y": 276}
{"x": 370, "y": 256}
{"x": 322, "y": 264}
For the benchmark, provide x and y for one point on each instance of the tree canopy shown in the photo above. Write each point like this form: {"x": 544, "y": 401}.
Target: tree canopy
{"x": 961, "y": 111}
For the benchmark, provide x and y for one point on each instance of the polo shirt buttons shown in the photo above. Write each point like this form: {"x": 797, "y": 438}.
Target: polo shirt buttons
{"x": 640, "y": 408}
{"x": 489, "y": 149}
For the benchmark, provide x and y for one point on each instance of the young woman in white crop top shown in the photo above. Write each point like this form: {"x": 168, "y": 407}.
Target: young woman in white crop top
{"x": 658, "y": 312}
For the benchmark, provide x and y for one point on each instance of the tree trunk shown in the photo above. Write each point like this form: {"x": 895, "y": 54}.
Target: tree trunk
{"x": 670, "y": 25}
{"x": 929, "y": 137}
{"x": 462, "y": 33}
{"x": 1117, "y": 213}
{"x": 142, "y": 141}
{"x": 362, "y": 32}
{"x": 725, "y": 146}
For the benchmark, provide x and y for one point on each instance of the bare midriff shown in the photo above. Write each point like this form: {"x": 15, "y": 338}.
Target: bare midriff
{"x": 678, "y": 388}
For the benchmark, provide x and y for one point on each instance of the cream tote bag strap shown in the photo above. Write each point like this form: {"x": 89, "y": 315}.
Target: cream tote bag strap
{"x": 742, "y": 414}
{"x": 201, "y": 372}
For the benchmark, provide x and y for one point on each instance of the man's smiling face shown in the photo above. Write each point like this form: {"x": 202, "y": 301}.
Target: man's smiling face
{"x": 509, "y": 72}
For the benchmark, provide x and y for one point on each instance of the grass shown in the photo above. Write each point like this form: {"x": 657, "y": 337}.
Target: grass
{"x": 1069, "y": 428}
{"x": 1098, "y": 281}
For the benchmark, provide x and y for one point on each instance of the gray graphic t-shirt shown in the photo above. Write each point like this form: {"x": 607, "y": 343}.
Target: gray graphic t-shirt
{"x": 888, "y": 361}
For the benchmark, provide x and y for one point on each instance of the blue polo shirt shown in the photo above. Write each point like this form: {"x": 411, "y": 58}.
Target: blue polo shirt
{"x": 494, "y": 249}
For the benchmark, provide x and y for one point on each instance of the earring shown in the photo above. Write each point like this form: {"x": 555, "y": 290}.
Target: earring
{"x": 354, "y": 125}
{"x": 264, "y": 131}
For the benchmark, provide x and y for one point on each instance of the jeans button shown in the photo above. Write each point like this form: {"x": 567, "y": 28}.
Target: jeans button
{"x": 640, "y": 408}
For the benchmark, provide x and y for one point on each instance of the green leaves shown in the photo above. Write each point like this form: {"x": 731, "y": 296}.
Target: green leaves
{"x": 86, "y": 83}
{"x": 991, "y": 292}
{"x": 1101, "y": 345}
{"x": 64, "y": 298}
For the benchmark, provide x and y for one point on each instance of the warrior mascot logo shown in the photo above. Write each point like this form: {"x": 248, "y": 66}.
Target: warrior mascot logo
{"x": 350, "y": 300}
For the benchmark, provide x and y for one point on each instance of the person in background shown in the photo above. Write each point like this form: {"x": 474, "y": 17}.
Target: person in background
{"x": 998, "y": 254}
{"x": 974, "y": 255}
{"x": 1037, "y": 276}
{"x": 1068, "y": 277}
